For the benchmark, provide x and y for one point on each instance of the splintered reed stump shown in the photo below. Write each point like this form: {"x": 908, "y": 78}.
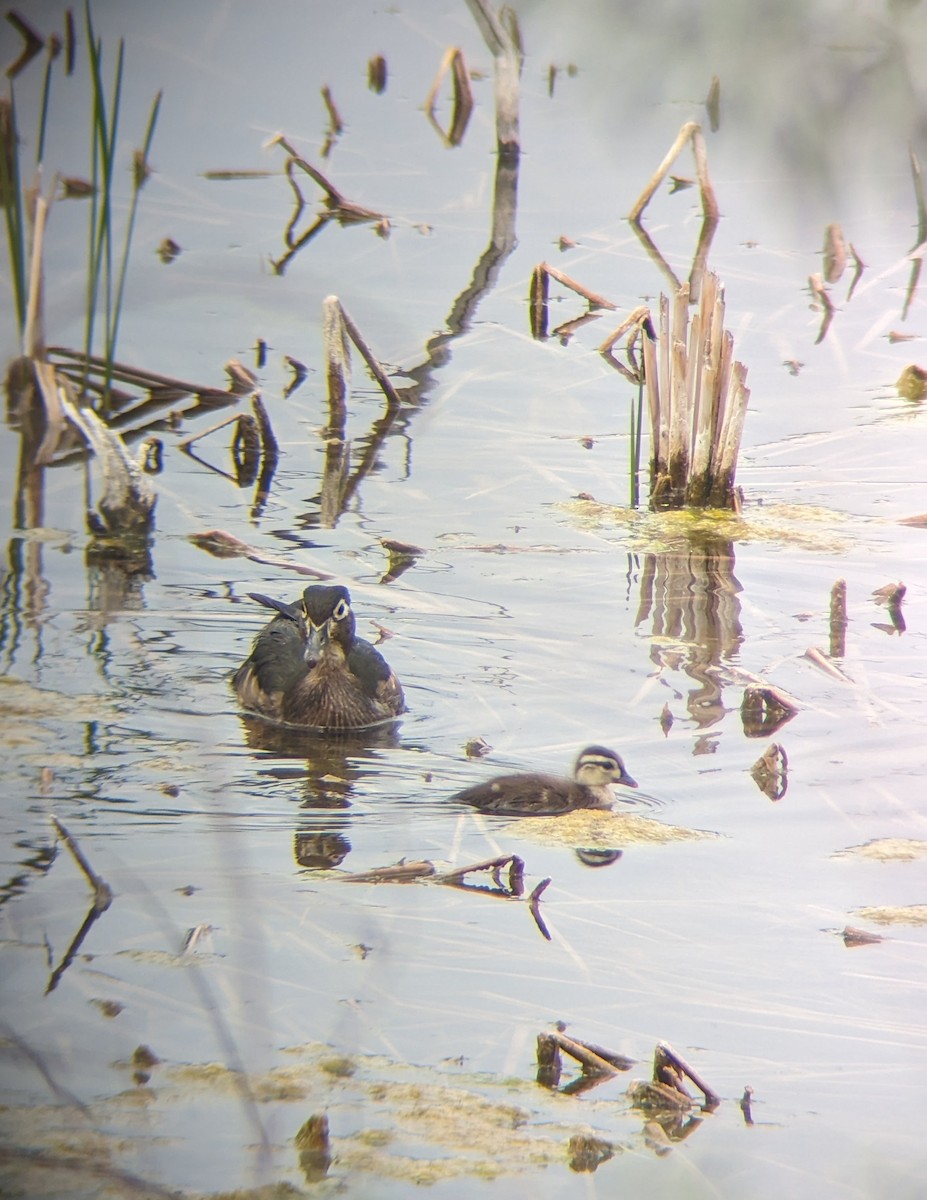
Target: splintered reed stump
{"x": 697, "y": 399}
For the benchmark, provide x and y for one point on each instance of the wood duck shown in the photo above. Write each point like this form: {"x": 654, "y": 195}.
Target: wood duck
{"x": 535, "y": 795}
{"x": 308, "y": 667}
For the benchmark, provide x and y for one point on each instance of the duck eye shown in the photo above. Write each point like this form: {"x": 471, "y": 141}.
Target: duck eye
{"x": 341, "y": 610}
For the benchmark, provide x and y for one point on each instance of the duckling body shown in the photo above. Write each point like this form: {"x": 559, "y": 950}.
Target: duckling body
{"x": 308, "y": 666}
{"x": 532, "y": 794}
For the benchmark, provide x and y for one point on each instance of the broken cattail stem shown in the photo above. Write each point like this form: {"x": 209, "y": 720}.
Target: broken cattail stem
{"x": 594, "y": 298}
{"x": 501, "y": 35}
{"x": 723, "y": 494}
{"x": 337, "y": 363}
{"x": 631, "y": 322}
{"x": 549, "y": 1061}
{"x": 652, "y": 384}
{"x": 709, "y": 201}
{"x": 662, "y": 170}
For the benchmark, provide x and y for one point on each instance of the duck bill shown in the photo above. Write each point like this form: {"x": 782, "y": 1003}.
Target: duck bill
{"x": 317, "y": 641}
{"x": 626, "y": 780}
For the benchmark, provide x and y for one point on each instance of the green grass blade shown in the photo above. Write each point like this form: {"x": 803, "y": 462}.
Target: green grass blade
{"x": 46, "y": 102}
{"x": 140, "y": 176}
{"x": 11, "y": 192}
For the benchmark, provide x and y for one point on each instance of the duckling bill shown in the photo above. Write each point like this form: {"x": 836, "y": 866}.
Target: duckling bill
{"x": 537, "y": 795}
{"x": 308, "y": 667}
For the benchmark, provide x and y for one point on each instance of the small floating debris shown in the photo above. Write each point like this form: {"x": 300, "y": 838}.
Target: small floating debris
{"x": 853, "y": 937}
{"x": 477, "y": 747}
{"x": 765, "y": 709}
{"x": 713, "y": 104}
{"x": 377, "y": 74}
{"x": 168, "y": 250}
{"x": 506, "y": 880}
{"x": 912, "y": 383}
{"x": 313, "y": 1146}
{"x": 771, "y": 772}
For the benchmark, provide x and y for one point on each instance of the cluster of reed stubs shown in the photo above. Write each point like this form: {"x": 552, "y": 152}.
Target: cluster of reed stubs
{"x": 697, "y": 398}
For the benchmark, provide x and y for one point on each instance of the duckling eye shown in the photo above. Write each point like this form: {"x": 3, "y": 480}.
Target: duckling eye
{"x": 341, "y": 610}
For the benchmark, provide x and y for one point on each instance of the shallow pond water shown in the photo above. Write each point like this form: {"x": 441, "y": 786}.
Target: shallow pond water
{"x": 408, "y": 1013}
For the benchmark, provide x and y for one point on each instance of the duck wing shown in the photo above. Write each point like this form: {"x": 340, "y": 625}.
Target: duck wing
{"x": 523, "y": 795}
{"x": 375, "y": 676}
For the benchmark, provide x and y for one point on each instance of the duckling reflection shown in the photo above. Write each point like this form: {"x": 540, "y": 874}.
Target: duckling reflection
{"x": 309, "y": 668}
{"x": 530, "y": 794}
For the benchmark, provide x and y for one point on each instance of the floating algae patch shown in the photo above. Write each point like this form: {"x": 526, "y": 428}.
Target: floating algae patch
{"x": 24, "y": 709}
{"x": 391, "y": 1120}
{"x": 601, "y": 829}
{"x": 887, "y": 850}
{"x": 805, "y": 526}
{"x": 887, "y": 914}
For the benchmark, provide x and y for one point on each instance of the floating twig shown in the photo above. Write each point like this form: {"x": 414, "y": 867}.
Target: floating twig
{"x": 820, "y": 659}
{"x": 401, "y": 872}
{"x": 226, "y": 545}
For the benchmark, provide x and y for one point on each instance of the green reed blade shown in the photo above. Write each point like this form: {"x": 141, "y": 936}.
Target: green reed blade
{"x": 11, "y": 191}
{"x": 139, "y": 183}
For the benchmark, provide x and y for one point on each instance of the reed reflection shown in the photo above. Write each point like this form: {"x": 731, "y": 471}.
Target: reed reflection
{"x": 690, "y": 596}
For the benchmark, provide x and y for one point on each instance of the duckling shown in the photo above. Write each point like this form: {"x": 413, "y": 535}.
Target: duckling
{"x": 308, "y": 667}
{"x": 539, "y": 795}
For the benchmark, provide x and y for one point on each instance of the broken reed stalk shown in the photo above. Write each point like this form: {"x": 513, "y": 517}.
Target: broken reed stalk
{"x": 502, "y": 37}
{"x": 337, "y": 328}
{"x": 697, "y": 398}
{"x": 690, "y": 132}
{"x": 102, "y": 892}
{"x": 539, "y": 301}
{"x": 453, "y": 61}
